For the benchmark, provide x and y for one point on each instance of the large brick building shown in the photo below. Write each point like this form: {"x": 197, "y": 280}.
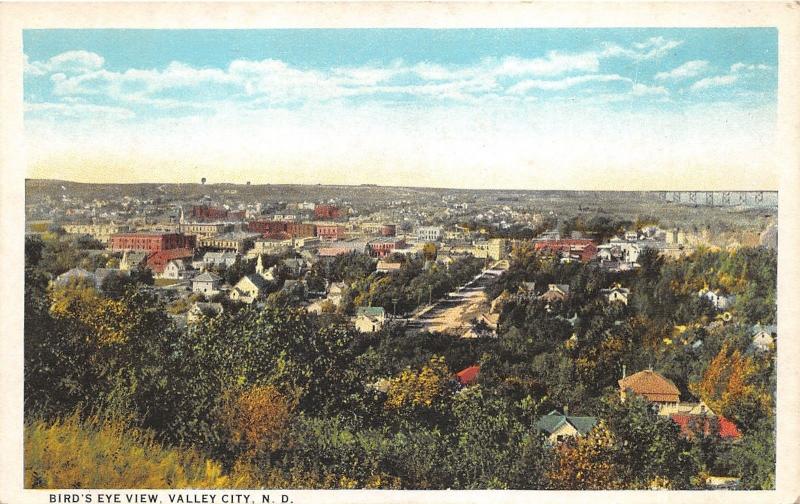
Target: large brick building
{"x": 152, "y": 242}
{"x": 330, "y": 231}
{"x": 382, "y": 247}
{"x": 327, "y": 212}
{"x": 301, "y": 229}
{"x": 267, "y": 227}
{"x": 379, "y": 229}
{"x": 205, "y": 213}
{"x": 274, "y": 229}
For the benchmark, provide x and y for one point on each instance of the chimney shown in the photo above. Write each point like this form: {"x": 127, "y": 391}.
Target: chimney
{"x": 623, "y": 371}
{"x": 566, "y": 410}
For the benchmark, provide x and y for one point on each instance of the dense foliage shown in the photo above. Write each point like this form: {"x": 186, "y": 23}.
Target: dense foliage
{"x": 277, "y": 397}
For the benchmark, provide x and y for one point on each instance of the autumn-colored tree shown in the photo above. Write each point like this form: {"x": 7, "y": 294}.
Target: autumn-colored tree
{"x": 429, "y": 251}
{"x": 730, "y": 386}
{"x": 258, "y": 418}
{"x": 105, "y": 318}
{"x": 419, "y": 388}
{"x": 586, "y": 463}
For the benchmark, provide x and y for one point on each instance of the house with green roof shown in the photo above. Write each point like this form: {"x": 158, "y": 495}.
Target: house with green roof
{"x": 559, "y": 427}
{"x": 370, "y": 318}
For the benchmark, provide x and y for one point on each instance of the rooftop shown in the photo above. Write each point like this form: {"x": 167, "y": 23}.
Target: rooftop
{"x": 553, "y": 420}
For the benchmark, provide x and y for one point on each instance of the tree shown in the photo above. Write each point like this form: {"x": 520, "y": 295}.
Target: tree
{"x": 258, "y": 419}
{"x": 429, "y": 251}
{"x": 491, "y": 447}
{"x": 753, "y": 459}
{"x": 587, "y": 463}
{"x": 648, "y": 448}
{"x": 33, "y": 250}
{"x": 731, "y": 385}
{"x": 425, "y": 388}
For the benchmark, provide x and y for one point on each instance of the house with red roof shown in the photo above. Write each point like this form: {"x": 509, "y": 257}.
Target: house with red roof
{"x": 706, "y": 425}
{"x": 157, "y": 261}
{"x": 468, "y": 376}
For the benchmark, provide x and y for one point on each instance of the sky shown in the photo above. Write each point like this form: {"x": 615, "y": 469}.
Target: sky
{"x": 465, "y": 108}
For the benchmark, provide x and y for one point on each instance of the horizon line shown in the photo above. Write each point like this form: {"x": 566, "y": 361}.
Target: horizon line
{"x": 27, "y": 179}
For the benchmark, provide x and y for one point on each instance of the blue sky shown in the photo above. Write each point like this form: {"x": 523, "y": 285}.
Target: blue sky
{"x": 398, "y": 105}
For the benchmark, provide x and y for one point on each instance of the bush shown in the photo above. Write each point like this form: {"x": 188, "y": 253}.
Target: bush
{"x": 95, "y": 453}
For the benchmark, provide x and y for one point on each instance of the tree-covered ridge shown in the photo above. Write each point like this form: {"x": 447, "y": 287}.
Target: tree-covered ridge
{"x": 383, "y": 410}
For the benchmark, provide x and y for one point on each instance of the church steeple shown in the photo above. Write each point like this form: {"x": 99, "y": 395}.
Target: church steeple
{"x": 181, "y": 222}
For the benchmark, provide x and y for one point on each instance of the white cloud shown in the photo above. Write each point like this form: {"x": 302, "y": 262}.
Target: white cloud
{"x": 652, "y": 48}
{"x": 716, "y": 81}
{"x": 554, "y": 64}
{"x": 644, "y": 90}
{"x": 524, "y": 86}
{"x": 273, "y": 82}
{"x": 744, "y": 67}
{"x": 687, "y": 70}
{"x": 67, "y": 62}
{"x": 656, "y": 47}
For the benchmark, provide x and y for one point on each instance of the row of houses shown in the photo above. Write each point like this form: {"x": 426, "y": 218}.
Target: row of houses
{"x": 693, "y": 418}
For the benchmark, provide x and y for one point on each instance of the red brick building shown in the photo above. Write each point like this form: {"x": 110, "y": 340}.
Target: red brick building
{"x": 206, "y": 213}
{"x": 330, "y": 231}
{"x": 301, "y": 230}
{"x": 584, "y": 248}
{"x": 327, "y": 212}
{"x": 152, "y": 242}
{"x": 267, "y": 227}
{"x": 383, "y": 247}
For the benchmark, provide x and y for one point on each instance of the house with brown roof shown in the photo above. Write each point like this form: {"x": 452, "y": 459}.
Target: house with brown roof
{"x": 652, "y": 386}
{"x": 555, "y": 292}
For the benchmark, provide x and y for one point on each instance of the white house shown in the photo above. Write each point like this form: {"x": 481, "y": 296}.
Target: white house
{"x": 719, "y": 300}
{"x": 207, "y": 283}
{"x": 763, "y": 337}
{"x": 370, "y": 318}
{"x": 616, "y": 293}
{"x": 177, "y": 269}
{"x": 248, "y": 289}
{"x": 224, "y": 258}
